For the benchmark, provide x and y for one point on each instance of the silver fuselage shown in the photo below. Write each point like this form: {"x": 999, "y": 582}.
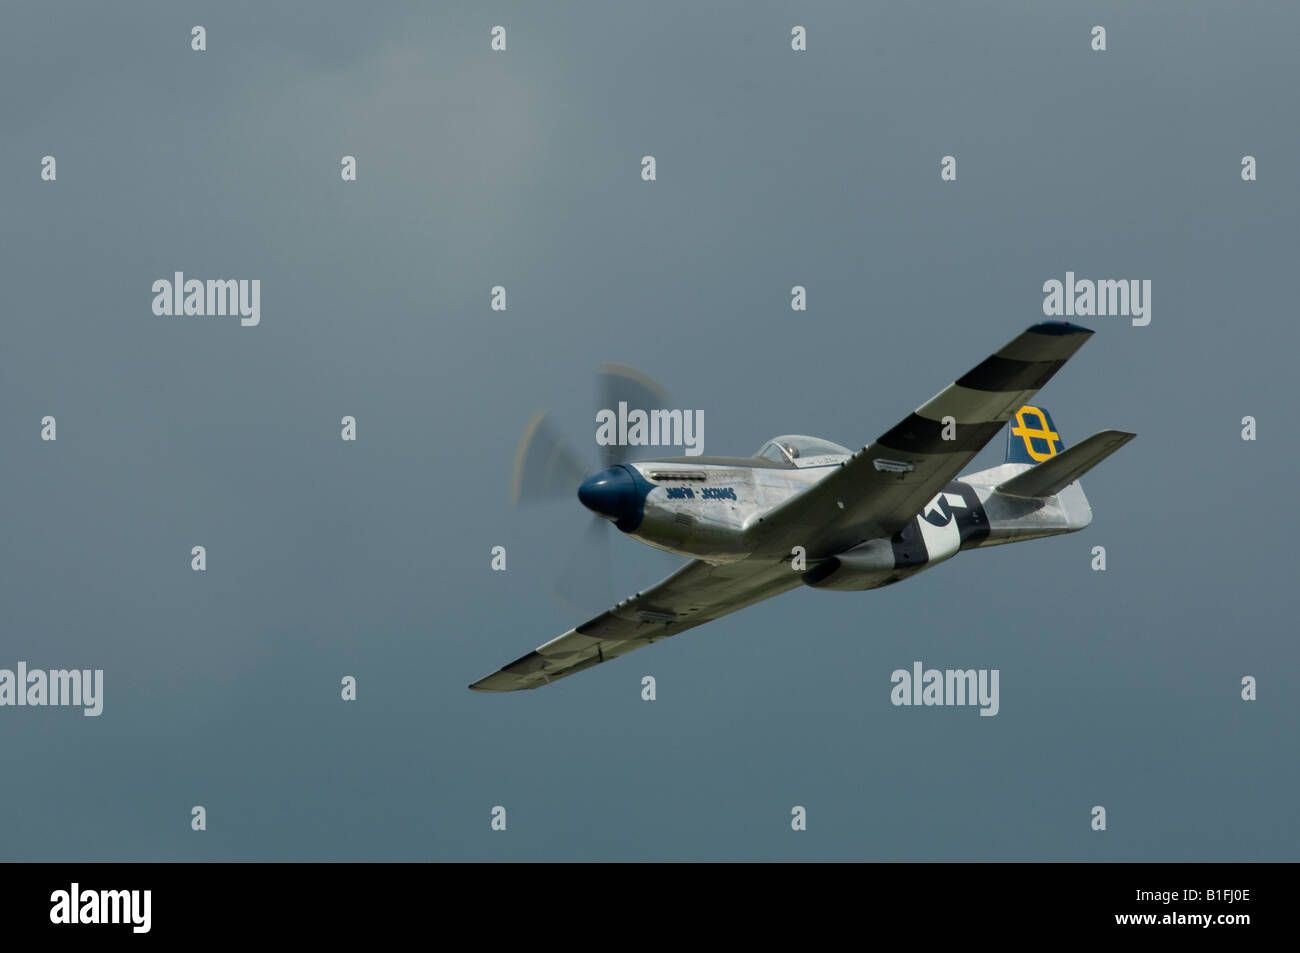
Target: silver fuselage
{"x": 705, "y": 507}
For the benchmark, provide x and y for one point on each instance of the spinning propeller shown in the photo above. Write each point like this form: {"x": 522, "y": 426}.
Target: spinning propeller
{"x": 549, "y": 468}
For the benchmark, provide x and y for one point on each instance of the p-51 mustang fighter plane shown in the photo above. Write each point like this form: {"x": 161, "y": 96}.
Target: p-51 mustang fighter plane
{"x": 807, "y": 512}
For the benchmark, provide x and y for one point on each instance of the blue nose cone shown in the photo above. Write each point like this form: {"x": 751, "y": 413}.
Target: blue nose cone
{"x": 617, "y": 494}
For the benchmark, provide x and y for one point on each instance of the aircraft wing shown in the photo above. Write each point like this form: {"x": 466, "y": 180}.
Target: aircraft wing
{"x": 695, "y": 594}
{"x": 881, "y": 487}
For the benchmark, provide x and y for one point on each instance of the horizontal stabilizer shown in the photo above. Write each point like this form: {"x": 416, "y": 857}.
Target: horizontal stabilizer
{"x": 1053, "y": 475}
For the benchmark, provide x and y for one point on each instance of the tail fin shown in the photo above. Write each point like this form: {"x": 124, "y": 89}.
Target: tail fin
{"x": 1032, "y": 437}
{"x": 1036, "y": 492}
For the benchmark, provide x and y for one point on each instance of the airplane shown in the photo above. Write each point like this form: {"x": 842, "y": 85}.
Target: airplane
{"x": 803, "y": 511}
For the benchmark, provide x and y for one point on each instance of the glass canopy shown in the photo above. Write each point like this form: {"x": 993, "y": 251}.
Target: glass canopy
{"x": 801, "y": 451}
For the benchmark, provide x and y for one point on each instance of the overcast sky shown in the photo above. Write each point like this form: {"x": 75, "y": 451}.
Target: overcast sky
{"x": 522, "y": 168}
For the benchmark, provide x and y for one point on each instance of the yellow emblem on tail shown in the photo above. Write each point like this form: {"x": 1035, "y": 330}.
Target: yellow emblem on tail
{"x": 1043, "y": 432}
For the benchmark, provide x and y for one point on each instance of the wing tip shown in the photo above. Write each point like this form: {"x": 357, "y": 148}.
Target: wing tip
{"x": 502, "y": 681}
{"x": 1059, "y": 328}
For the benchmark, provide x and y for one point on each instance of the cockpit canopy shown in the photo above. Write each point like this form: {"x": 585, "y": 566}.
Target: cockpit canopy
{"x": 801, "y": 451}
